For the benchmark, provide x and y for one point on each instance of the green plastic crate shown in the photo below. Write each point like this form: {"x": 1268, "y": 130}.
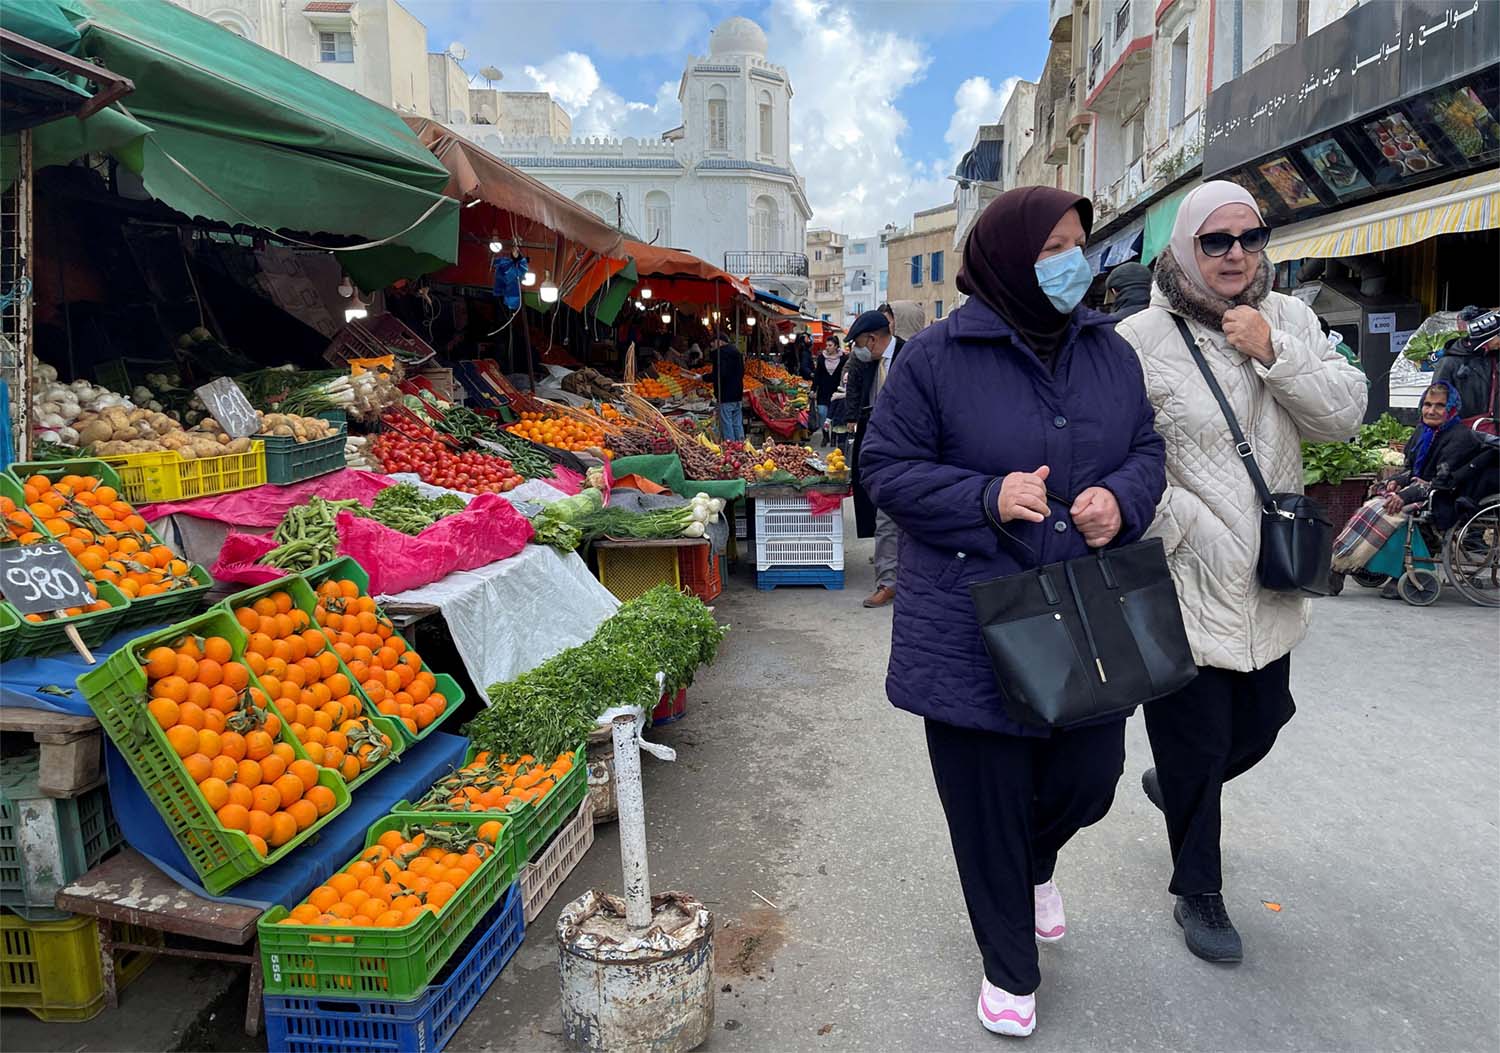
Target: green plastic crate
{"x": 345, "y": 568}
{"x": 10, "y": 631}
{"x": 51, "y": 636}
{"x": 303, "y": 598}
{"x": 116, "y": 691}
{"x": 152, "y": 610}
{"x": 541, "y": 819}
{"x": 46, "y": 842}
{"x": 290, "y": 461}
{"x": 388, "y": 964}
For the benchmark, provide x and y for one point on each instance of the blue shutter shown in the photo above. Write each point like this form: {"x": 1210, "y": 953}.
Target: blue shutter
{"x": 937, "y": 266}
{"x": 916, "y": 270}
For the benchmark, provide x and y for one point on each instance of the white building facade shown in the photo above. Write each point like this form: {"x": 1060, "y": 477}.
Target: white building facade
{"x": 866, "y": 273}
{"x": 721, "y": 186}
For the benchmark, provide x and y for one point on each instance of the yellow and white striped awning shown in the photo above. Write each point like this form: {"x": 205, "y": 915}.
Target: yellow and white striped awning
{"x": 1469, "y": 203}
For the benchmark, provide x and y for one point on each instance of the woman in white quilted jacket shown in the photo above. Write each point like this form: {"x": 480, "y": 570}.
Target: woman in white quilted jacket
{"x": 1285, "y": 384}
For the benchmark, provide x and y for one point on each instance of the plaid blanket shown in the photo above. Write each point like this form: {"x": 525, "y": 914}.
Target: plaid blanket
{"x": 1367, "y": 532}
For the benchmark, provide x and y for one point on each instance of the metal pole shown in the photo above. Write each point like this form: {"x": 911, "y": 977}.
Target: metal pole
{"x": 632, "y": 804}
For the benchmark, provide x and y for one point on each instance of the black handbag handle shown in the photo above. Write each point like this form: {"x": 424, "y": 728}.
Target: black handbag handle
{"x": 1241, "y": 444}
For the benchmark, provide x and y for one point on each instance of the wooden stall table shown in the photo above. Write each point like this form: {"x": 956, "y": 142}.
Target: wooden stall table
{"x": 71, "y": 748}
{"x": 127, "y": 888}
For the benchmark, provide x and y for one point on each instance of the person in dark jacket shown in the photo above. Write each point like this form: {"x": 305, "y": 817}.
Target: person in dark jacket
{"x": 1129, "y": 286}
{"x": 1471, "y": 365}
{"x": 728, "y": 379}
{"x": 826, "y": 374}
{"x": 1442, "y": 453}
{"x": 1016, "y": 433}
{"x": 874, "y": 356}
{"x": 805, "y": 357}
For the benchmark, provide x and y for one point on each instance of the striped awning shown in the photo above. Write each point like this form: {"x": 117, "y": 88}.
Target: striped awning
{"x": 1469, "y": 203}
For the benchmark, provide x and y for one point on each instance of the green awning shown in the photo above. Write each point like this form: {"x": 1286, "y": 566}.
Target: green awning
{"x": 1159, "y": 220}
{"x": 226, "y": 130}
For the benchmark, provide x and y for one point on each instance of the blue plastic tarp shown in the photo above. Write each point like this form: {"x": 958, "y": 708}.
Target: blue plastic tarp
{"x": 24, "y": 679}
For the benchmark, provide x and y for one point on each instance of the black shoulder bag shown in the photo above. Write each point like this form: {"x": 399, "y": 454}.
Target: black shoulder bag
{"x": 1087, "y": 638}
{"x": 1296, "y": 538}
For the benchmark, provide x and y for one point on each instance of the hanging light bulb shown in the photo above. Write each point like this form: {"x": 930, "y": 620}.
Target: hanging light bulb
{"x": 496, "y": 246}
{"x": 666, "y": 317}
{"x": 784, "y": 339}
{"x": 346, "y": 288}
{"x": 528, "y": 279}
{"x": 705, "y": 323}
{"x": 716, "y": 316}
{"x": 548, "y": 292}
{"x": 750, "y": 322}
{"x": 646, "y": 294}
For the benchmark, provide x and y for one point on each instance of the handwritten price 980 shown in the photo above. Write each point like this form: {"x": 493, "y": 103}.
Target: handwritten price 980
{"x": 43, "y": 583}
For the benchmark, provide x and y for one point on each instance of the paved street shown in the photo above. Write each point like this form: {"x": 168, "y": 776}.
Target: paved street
{"x": 1372, "y": 824}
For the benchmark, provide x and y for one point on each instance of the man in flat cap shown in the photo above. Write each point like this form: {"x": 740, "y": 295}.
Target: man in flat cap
{"x": 874, "y": 352}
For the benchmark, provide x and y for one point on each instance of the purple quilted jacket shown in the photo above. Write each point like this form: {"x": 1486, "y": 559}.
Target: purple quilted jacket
{"x": 968, "y": 404}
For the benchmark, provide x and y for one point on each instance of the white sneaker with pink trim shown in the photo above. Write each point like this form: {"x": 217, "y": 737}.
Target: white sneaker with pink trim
{"x": 1051, "y": 923}
{"x": 1004, "y": 1013}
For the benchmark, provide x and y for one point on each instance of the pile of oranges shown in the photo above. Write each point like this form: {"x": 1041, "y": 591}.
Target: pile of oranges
{"x": 404, "y": 873}
{"x": 561, "y": 433}
{"x": 489, "y": 783}
{"x": 103, "y": 532}
{"x": 388, "y": 672}
{"x": 219, "y": 727}
{"x": 302, "y": 678}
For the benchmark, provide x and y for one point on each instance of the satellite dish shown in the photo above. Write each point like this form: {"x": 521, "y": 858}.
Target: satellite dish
{"x": 458, "y": 51}
{"x": 491, "y": 74}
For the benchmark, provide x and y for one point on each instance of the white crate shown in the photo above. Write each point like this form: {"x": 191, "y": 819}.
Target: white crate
{"x": 544, "y": 875}
{"x": 799, "y": 552}
{"x": 783, "y": 517}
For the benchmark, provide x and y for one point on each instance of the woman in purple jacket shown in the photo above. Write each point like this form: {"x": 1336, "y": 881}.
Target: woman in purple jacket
{"x": 1017, "y": 433}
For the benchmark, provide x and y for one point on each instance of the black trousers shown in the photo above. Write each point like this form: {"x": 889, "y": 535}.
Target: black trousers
{"x": 1011, "y": 804}
{"x": 1216, "y": 728}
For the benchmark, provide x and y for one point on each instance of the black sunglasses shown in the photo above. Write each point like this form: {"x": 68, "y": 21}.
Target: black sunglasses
{"x": 1219, "y": 243}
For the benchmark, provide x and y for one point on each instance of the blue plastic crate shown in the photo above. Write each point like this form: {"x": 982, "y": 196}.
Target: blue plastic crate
{"x": 422, "y": 1025}
{"x": 774, "y": 576}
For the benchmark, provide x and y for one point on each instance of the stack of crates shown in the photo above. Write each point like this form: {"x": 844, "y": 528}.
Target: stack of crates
{"x": 795, "y": 547}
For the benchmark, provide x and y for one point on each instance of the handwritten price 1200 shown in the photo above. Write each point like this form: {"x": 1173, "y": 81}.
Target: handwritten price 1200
{"x": 41, "y": 583}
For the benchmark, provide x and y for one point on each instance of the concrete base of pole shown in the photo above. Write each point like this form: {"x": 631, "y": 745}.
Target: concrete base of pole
{"x": 625, "y": 991}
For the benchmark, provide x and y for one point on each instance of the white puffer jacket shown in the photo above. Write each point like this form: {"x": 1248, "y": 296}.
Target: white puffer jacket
{"x": 1209, "y": 517}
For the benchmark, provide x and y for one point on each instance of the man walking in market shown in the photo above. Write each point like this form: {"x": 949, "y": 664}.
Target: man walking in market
{"x": 874, "y": 354}
{"x": 728, "y": 379}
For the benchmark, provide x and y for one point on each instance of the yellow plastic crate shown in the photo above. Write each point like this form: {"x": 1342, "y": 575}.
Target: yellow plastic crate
{"x": 150, "y": 477}
{"x": 53, "y": 968}
{"x": 633, "y": 572}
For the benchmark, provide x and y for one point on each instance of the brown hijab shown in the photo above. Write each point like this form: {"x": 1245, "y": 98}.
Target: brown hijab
{"x": 1000, "y": 260}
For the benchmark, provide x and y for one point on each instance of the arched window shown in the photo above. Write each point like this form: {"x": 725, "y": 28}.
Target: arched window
{"x": 767, "y": 125}
{"x": 658, "y": 218}
{"x": 600, "y": 204}
{"x": 766, "y": 233}
{"x": 235, "y": 23}
{"x": 718, "y": 118}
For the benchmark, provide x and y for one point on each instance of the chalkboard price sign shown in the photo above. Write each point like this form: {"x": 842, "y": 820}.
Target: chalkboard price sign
{"x": 40, "y": 579}
{"x": 229, "y": 406}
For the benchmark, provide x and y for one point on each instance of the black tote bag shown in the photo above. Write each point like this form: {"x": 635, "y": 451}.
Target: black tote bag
{"x": 1079, "y": 640}
{"x": 1296, "y": 538}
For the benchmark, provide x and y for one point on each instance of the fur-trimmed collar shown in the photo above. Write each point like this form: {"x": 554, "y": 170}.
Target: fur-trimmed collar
{"x": 1206, "y": 308}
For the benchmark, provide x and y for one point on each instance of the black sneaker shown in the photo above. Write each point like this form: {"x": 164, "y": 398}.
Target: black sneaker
{"x": 1152, "y": 788}
{"x": 1207, "y": 928}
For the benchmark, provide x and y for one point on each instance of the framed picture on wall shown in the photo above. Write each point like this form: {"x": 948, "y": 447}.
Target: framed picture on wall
{"x": 1335, "y": 167}
{"x": 1465, "y": 120}
{"x": 1401, "y": 147}
{"x": 1288, "y": 183}
{"x": 1248, "y": 182}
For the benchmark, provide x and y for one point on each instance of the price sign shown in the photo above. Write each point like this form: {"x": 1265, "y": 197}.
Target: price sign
{"x": 1384, "y": 322}
{"x": 40, "y": 579}
{"x": 229, "y": 406}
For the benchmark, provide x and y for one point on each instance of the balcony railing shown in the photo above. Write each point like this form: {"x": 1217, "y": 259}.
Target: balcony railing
{"x": 792, "y": 264}
{"x": 1096, "y": 59}
{"x": 1122, "y": 20}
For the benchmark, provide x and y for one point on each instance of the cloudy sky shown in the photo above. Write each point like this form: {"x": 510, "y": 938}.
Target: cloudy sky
{"x": 888, "y": 92}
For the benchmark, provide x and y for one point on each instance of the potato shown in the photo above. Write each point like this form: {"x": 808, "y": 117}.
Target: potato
{"x": 187, "y": 453}
{"x": 238, "y": 446}
{"x": 282, "y": 429}
{"x": 94, "y": 432}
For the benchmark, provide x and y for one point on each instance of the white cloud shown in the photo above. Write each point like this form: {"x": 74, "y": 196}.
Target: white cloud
{"x": 570, "y": 78}
{"x": 597, "y": 110}
{"x": 976, "y": 102}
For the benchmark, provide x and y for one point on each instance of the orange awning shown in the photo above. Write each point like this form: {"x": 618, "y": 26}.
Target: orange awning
{"x": 655, "y": 262}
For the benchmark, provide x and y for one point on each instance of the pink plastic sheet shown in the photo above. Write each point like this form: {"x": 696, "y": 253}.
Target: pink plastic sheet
{"x": 237, "y": 560}
{"x": 489, "y": 529}
{"x": 265, "y": 505}
{"x": 821, "y": 504}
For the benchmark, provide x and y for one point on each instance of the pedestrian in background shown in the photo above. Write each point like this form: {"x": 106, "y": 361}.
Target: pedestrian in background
{"x": 1127, "y": 290}
{"x": 728, "y": 379}
{"x": 907, "y": 318}
{"x": 1285, "y": 385}
{"x": 1015, "y": 433}
{"x": 874, "y": 354}
{"x": 827, "y": 373}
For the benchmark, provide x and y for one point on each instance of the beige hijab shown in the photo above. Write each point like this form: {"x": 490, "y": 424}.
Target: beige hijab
{"x": 911, "y": 319}
{"x": 1200, "y": 203}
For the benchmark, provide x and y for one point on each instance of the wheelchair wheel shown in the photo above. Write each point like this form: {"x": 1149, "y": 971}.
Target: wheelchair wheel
{"x": 1335, "y": 582}
{"x": 1471, "y": 556}
{"x": 1366, "y": 579}
{"x": 1419, "y": 587}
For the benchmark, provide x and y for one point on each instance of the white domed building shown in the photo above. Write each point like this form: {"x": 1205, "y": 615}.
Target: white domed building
{"x": 721, "y": 185}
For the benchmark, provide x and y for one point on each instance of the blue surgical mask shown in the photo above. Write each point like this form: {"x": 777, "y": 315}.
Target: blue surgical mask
{"x": 1064, "y": 278}
{"x": 864, "y": 354}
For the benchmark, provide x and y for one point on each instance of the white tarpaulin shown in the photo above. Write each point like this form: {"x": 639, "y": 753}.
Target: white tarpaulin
{"x": 510, "y": 616}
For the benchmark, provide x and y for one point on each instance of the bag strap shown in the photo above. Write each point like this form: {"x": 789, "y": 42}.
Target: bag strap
{"x": 1241, "y": 445}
